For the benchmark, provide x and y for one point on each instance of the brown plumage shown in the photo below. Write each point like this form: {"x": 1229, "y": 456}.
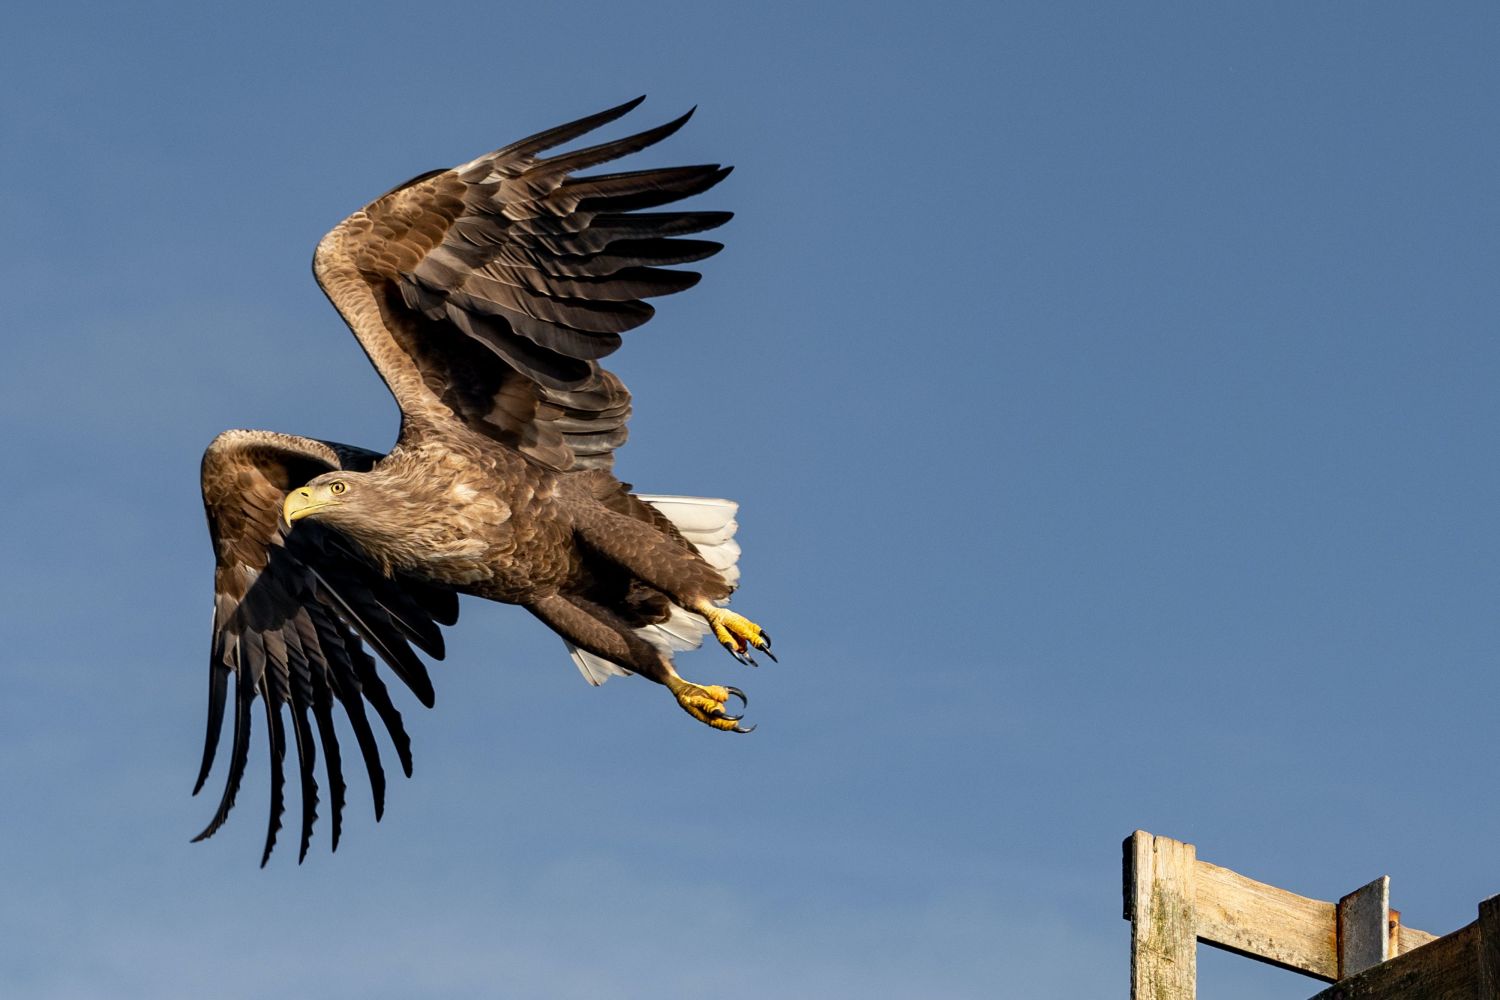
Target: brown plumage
{"x": 484, "y": 296}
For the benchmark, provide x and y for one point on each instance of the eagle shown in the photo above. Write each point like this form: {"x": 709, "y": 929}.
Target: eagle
{"x": 485, "y": 296}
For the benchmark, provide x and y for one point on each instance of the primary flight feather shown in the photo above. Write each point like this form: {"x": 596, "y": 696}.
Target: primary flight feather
{"x": 485, "y": 296}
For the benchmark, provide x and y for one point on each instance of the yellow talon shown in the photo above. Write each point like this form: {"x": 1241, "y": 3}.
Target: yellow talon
{"x": 706, "y": 703}
{"x": 726, "y": 638}
{"x": 735, "y": 632}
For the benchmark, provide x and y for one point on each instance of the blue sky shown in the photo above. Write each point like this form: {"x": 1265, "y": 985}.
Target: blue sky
{"x": 1109, "y": 389}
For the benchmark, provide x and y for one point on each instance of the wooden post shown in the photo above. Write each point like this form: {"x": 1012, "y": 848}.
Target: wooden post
{"x": 1161, "y": 899}
{"x": 1489, "y": 948}
{"x": 1364, "y": 923}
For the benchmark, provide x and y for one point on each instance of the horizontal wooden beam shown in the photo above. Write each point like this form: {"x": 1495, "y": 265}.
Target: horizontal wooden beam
{"x": 1269, "y": 924}
{"x": 1410, "y": 939}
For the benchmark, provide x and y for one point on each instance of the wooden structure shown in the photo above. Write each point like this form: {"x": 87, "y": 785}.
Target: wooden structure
{"x": 1359, "y": 944}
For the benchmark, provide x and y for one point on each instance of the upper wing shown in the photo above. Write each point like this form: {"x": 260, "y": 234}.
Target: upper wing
{"x": 290, "y": 611}
{"x": 489, "y": 291}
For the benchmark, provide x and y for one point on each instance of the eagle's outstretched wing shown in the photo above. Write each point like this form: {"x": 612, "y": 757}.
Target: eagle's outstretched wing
{"x": 292, "y": 613}
{"x": 488, "y": 292}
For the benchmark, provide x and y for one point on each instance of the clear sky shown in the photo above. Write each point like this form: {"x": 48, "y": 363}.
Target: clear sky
{"x": 1109, "y": 389}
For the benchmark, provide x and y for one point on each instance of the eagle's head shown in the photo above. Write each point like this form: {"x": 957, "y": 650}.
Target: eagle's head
{"x": 340, "y": 499}
{"x": 368, "y": 508}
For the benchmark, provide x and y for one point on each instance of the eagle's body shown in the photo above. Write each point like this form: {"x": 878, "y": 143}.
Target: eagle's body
{"x": 484, "y": 296}
{"x": 460, "y": 511}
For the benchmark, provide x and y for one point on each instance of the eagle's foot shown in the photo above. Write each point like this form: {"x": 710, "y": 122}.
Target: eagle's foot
{"x": 706, "y": 703}
{"x": 737, "y": 633}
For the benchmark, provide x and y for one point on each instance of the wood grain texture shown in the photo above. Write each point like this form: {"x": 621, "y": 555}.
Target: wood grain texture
{"x": 1161, "y": 901}
{"x": 1268, "y": 924}
{"x": 1410, "y": 939}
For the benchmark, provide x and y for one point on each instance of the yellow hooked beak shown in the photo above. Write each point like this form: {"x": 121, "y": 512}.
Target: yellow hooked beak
{"x": 302, "y": 502}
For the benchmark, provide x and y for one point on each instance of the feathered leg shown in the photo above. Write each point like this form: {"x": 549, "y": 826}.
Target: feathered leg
{"x": 598, "y": 630}
{"x": 675, "y": 568}
{"x": 668, "y": 564}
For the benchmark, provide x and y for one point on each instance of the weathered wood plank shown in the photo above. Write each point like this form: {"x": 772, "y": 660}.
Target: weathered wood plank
{"x": 1364, "y": 921}
{"x": 1444, "y": 969}
{"x": 1409, "y": 938}
{"x": 1269, "y": 924}
{"x": 1160, "y": 899}
{"x": 1489, "y": 949}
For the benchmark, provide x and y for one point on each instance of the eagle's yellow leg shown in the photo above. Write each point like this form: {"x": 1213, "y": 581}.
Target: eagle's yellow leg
{"x": 735, "y": 632}
{"x": 706, "y": 703}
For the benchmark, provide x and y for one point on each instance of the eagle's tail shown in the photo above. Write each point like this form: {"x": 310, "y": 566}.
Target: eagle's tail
{"x": 710, "y": 525}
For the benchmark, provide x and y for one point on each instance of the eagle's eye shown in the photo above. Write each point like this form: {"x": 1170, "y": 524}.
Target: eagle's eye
{"x": 337, "y": 486}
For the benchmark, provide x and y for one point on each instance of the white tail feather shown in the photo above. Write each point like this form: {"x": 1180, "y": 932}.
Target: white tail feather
{"x": 595, "y": 669}
{"x": 710, "y": 525}
{"x": 712, "y": 519}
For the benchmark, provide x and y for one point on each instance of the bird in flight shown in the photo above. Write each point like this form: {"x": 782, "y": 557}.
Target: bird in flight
{"x": 484, "y": 295}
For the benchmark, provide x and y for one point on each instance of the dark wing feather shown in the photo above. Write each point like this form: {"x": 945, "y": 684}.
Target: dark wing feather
{"x": 291, "y": 611}
{"x": 506, "y": 279}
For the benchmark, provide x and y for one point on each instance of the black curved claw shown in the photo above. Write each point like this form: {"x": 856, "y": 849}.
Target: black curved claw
{"x": 744, "y": 704}
{"x": 742, "y": 729}
{"x": 766, "y": 637}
